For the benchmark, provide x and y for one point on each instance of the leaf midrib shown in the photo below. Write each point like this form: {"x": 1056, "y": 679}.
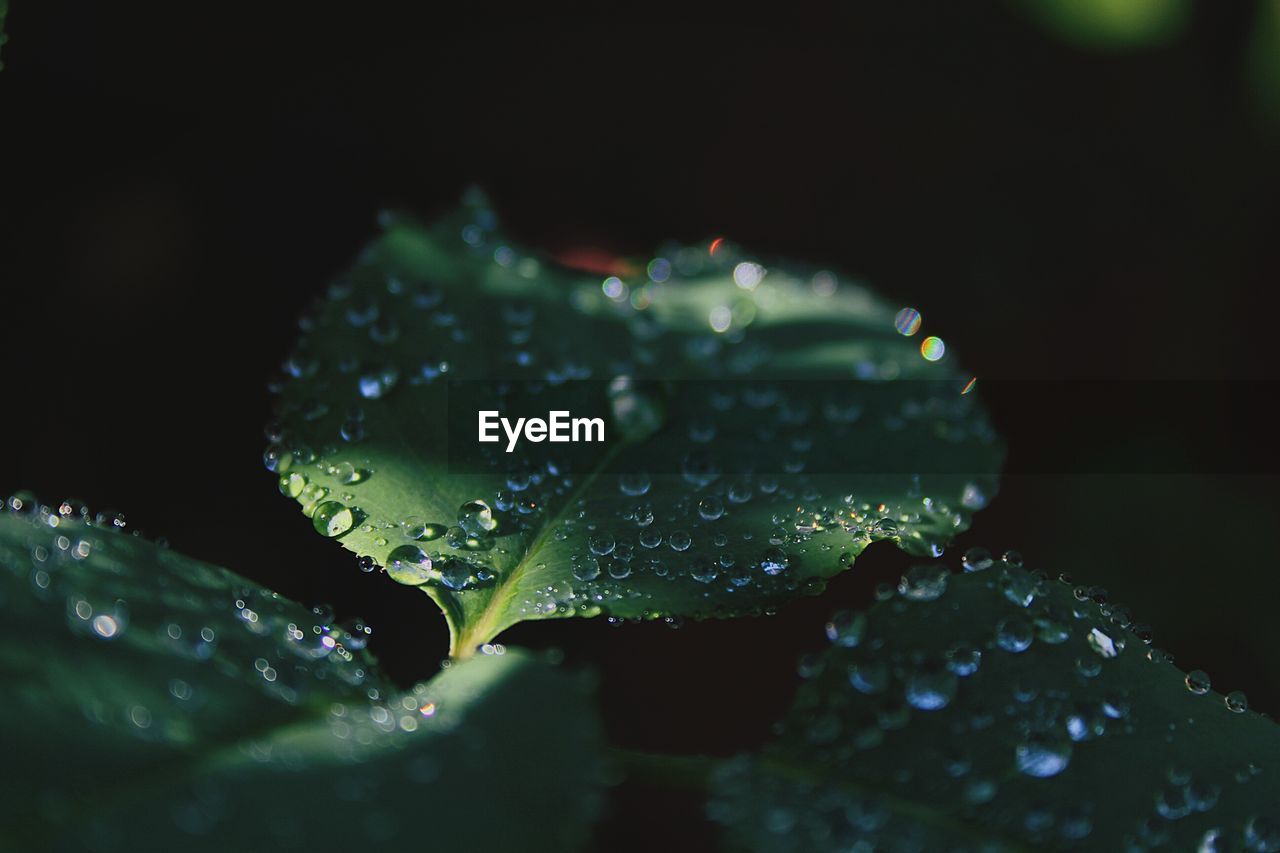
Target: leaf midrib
{"x": 464, "y": 637}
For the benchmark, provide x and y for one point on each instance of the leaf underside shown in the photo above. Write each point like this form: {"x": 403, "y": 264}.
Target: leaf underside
{"x": 193, "y": 710}
{"x": 736, "y": 408}
{"x": 1087, "y": 738}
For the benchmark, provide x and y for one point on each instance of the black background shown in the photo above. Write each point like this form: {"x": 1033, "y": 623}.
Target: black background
{"x": 179, "y": 181}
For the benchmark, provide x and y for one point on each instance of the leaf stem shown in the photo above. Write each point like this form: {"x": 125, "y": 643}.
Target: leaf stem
{"x": 683, "y": 772}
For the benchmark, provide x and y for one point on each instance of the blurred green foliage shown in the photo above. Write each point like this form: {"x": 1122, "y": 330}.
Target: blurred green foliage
{"x": 997, "y": 707}
{"x": 1111, "y": 24}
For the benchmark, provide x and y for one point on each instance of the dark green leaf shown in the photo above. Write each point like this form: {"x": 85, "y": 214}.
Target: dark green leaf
{"x": 708, "y": 499}
{"x": 1010, "y": 712}
{"x": 152, "y": 702}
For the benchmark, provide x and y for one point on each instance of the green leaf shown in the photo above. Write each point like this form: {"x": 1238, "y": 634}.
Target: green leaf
{"x": 735, "y": 396}
{"x": 155, "y": 702}
{"x": 1009, "y": 712}
{"x": 1114, "y": 25}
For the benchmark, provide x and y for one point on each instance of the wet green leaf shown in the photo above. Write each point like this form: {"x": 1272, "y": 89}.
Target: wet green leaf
{"x": 999, "y": 709}
{"x": 193, "y": 710}
{"x": 735, "y": 396}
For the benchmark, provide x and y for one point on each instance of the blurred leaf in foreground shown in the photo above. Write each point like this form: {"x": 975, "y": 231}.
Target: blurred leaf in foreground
{"x": 1110, "y": 24}
{"x": 153, "y": 702}
{"x": 1000, "y": 709}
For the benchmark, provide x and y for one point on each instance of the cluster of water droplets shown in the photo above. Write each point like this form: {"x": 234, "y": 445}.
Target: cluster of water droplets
{"x": 910, "y": 712}
{"x": 184, "y": 624}
{"x": 676, "y": 524}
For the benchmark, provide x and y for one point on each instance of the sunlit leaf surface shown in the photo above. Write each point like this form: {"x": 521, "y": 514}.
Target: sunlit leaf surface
{"x": 764, "y": 425}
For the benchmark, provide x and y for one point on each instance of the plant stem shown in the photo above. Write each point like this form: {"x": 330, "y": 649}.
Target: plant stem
{"x": 684, "y": 772}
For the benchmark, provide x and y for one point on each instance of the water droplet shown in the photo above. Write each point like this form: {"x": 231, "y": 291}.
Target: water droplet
{"x": 699, "y": 469}
{"x": 964, "y": 658}
{"x": 634, "y": 484}
{"x": 333, "y": 519}
{"x": 587, "y": 569}
{"x": 409, "y": 564}
{"x": 1262, "y": 834}
{"x": 1019, "y": 587}
{"x": 455, "y": 574}
{"x": 977, "y": 560}
{"x": 1042, "y": 756}
{"x": 1237, "y": 702}
{"x": 347, "y": 474}
{"x": 476, "y": 518}
{"x": 869, "y": 677}
{"x": 775, "y": 561}
{"x": 846, "y": 628}
{"x": 1201, "y": 795}
{"x": 1088, "y": 667}
{"x": 931, "y": 687}
{"x": 1103, "y": 644}
{"x": 885, "y": 527}
{"x": 292, "y": 484}
{"x": 1198, "y": 682}
{"x": 704, "y": 569}
{"x": 710, "y": 508}
{"x": 924, "y": 582}
{"x": 1014, "y": 634}
{"x": 377, "y": 383}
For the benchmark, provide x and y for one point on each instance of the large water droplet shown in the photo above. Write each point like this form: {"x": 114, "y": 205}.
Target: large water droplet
{"x": 1103, "y": 644}
{"x": 924, "y": 582}
{"x": 331, "y": 518}
{"x": 601, "y": 544}
{"x": 977, "y": 560}
{"x": 587, "y": 569}
{"x": 1042, "y": 756}
{"x": 1014, "y": 634}
{"x": 774, "y": 562}
{"x": 710, "y": 508}
{"x": 409, "y": 564}
{"x": 1198, "y": 682}
{"x": 931, "y": 688}
{"x": 964, "y": 658}
{"x": 476, "y": 518}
